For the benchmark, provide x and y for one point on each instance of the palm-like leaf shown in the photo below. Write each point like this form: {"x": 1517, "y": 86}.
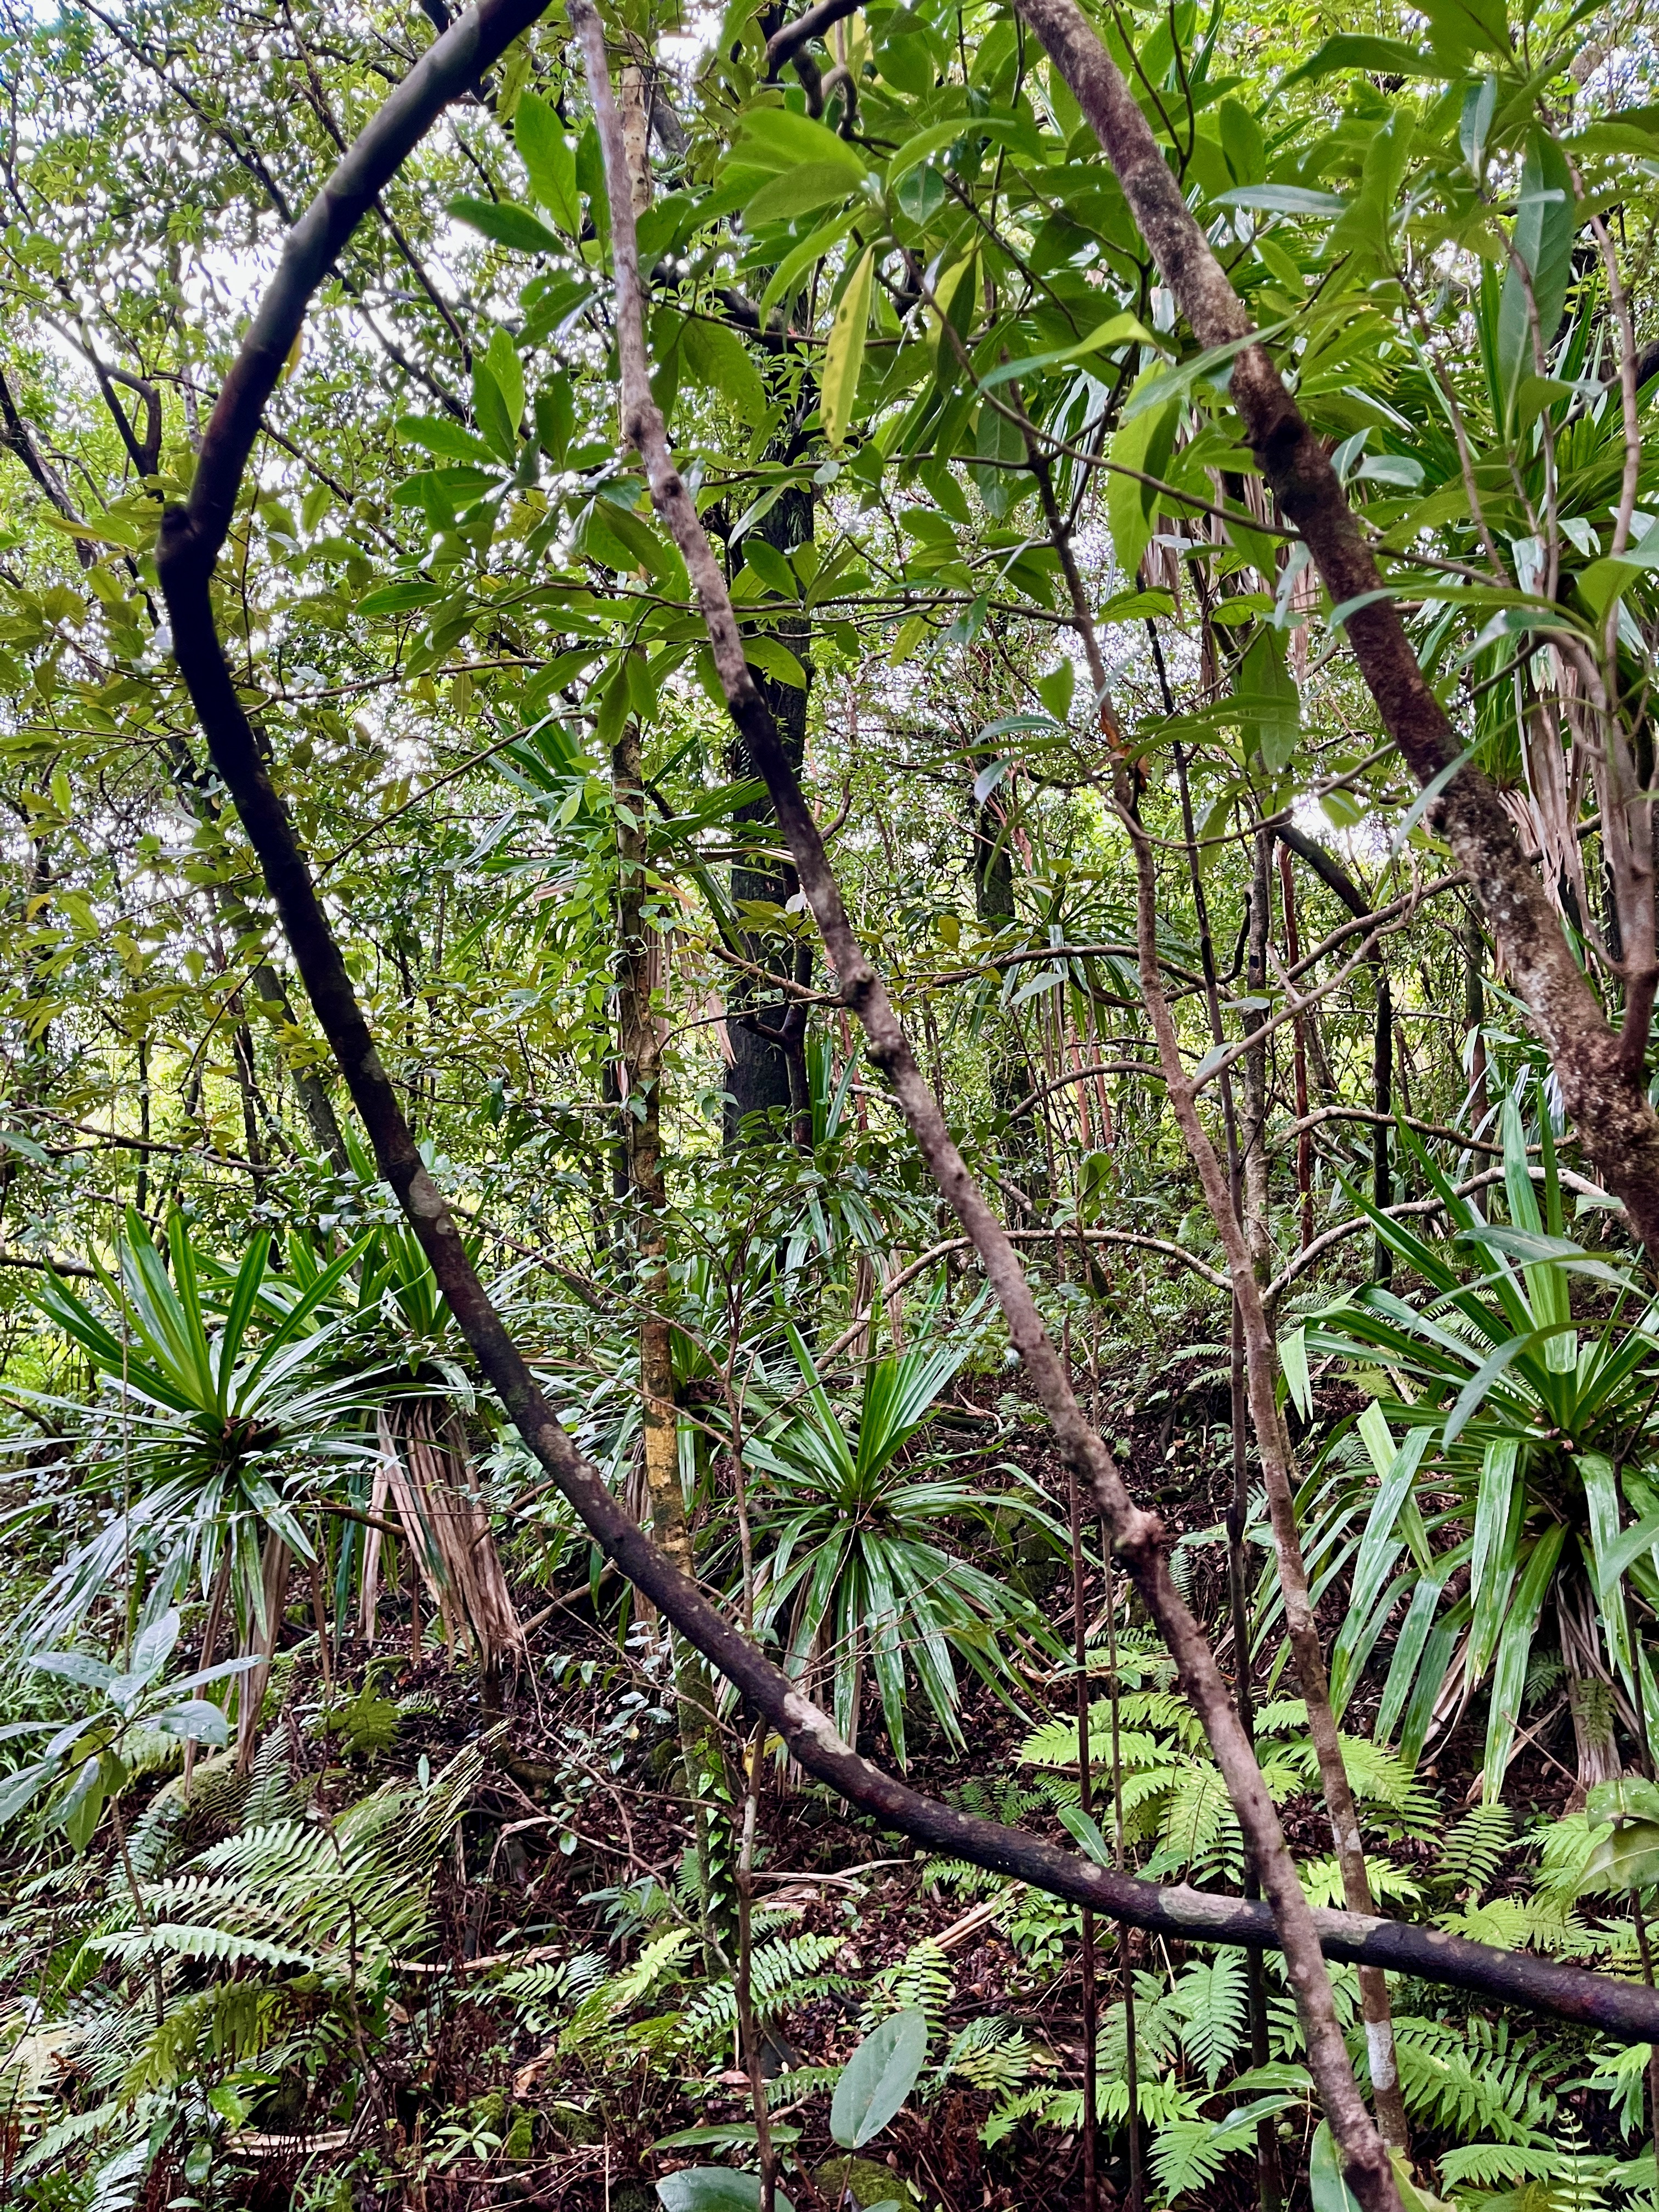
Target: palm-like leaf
{"x": 217, "y": 1434}
{"x": 857, "y": 1568}
{"x": 1520, "y": 1415}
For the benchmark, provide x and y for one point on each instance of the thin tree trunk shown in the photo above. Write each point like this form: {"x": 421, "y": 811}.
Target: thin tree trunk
{"x": 1086, "y": 1800}
{"x": 1253, "y": 1134}
{"x": 1475, "y": 1014}
{"x": 1304, "y": 1136}
{"x": 1260, "y": 1362}
{"x": 274, "y": 1562}
{"x": 638, "y": 953}
{"x": 1369, "y": 2169}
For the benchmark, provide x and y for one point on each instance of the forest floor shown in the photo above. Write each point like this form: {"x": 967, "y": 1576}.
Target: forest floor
{"x": 581, "y": 1797}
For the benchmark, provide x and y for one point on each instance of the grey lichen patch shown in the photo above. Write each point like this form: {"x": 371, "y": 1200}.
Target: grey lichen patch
{"x": 809, "y": 1722}
{"x": 425, "y": 1200}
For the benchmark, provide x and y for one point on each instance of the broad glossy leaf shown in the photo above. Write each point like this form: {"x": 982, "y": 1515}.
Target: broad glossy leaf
{"x": 1545, "y": 222}
{"x": 1627, "y": 1859}
{"x": 153, "y": 1646}
{"x": 718, "y": 360}
{"x": 550, "y": 161}
{"x": 197, "y": 1721}
{"x": 1461, "y": 29}
{"x": 1326, "y": 2185}
{"x": 503, "y": 357}
{"x": 798, "y": 191}
{"x": 76, "y": 1667}
{"x": 878, "y": 2078}
{"x": 505, "y": 223}
{"x": 19, "y": 1789}
{"x": 1356, "y": 50}
{"x": 447, "y": 441}
{"x": 490, "y": 408}
{"x": 1141, "y": 447}
{"x": 778, "y": 138}
{"x": 714, "y": 2189}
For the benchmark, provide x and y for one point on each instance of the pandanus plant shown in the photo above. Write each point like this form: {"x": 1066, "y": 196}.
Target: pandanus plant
{"x": 857, "y": 1537}
{"x": 1509, "y": 1476}
{"x": 220, "y": 1418}
{"x": 393, "y": 1324}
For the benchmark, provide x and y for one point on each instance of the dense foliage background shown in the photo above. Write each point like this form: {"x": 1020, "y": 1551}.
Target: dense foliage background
{"x": 365, "y": 1841}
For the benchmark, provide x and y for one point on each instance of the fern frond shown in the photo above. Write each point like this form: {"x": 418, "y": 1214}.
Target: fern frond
{"x": 990, "y": 2054}
{"x": 1514, "y": 1923}
{"x": 1494, "y": 2164}
{"x": 1470, "y": 1856}
{"x": 137, "y": 1947}
{"x": 1209, "y": 1999}
{"x": 1467, "y": 2077}
{"x": 922, "y": 1981}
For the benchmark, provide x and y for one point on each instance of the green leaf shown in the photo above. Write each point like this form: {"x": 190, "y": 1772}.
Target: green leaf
{"x": 1353, "y": 50}
{"x": 1282, "y": 199}
{"x": 769, "y": 565}
{"x": 1509, "y": 1678}
{"x": 719, "y": 362}
{"x": 1056, "y": 689}
{"x": 505, "y": 223}
{"x": 798, "y": 191}
{"x": 939, "y": 136}
{"x": 844, "y": 354}
{"x": 1629, "y": 1859}
{"x": 1115, "y": 331}
{"x": 1627, "y": 1797}
{"x": 1326, "y": 2185}
{"x": 401, "y": 598}
{"x": 724, "y": 2135}
{"x": 447, "y": 440}
{"x": 1293, "y": 1358}
{"x": 1084, "y": 1829}
{"x": 1366, "y": 225}
{"x": 198, "y": 1720}
{"x": 18, "y": 1790}
{"x": 1461, "y": 29}
{"x": 878, "y": 2078}
{"x": 1142, "y": 443}
{"x": 81, "y": 1804}
{"x": 777, "y": 138}
{"x": 775, "y": 661}
{"x": 153, "y": 1647}
{"x": 1545, "y": 222}
{"x": 489, "y": 406}
{"x": 502, "y": 358}
{"x": 77, "y": 1667}
{"x": 799, "y": 259}
{"x": 1620, "y": 1556}
{"x": 550, "y": 161}
{"x": 1270, "y": 704}
{"x": 1472, "y": 1394}
{"x": 714, "y": 2189}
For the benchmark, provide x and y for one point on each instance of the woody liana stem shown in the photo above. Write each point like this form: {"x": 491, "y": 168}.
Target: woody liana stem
{"x": 192, "y": 537}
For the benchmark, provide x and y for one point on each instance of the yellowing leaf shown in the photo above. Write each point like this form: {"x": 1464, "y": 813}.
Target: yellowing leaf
{"x": 844, "y": 355}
